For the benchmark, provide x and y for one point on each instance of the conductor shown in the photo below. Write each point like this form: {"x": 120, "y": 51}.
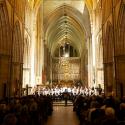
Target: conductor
{"x": 65, "y": 95}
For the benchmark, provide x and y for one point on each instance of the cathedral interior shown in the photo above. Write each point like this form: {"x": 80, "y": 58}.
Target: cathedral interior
{"x": 62, "y": 62}
{"x": 62, "y": 42}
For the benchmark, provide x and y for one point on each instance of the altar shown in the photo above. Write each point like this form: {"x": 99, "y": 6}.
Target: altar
{"x": 66, "y": 70}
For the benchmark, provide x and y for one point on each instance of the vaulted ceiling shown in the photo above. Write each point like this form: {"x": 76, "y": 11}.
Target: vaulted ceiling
{"x": 66, "y": 24}
{"x": 66, "y": 21}
{"x": 90, "y": 3}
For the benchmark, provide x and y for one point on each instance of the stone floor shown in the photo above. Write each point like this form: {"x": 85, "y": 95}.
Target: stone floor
{"x": 63, "y": 116}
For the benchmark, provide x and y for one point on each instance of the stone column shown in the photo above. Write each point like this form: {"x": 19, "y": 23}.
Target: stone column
{"x": 33, "y": 42}
{"x": 90, "y": 62}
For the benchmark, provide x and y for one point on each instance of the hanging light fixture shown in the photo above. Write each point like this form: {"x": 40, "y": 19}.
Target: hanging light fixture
{"x": 64, "y": 42}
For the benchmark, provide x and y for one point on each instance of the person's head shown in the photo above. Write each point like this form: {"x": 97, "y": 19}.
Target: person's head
{"x": 110, "y": 112}
{"x": 122, "y": 106}
{"x": 3, "y": 107}
{"x": 10, "y": 119}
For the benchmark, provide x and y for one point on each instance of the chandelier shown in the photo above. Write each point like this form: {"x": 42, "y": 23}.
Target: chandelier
{"x": 64, "y": 41}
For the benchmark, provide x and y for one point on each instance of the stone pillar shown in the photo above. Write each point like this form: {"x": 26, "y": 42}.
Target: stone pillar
{"x": 33, "y": 42}
{"x": 90, "y": 63}
{"x": 51, "y": 75}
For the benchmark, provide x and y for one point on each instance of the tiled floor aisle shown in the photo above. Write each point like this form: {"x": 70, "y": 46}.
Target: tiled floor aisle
{"x": 63, "y": 116}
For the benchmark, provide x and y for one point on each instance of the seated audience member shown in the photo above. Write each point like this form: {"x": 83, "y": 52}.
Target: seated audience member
{"x": 10, "y": 119}
{"x": 109, "y": 118}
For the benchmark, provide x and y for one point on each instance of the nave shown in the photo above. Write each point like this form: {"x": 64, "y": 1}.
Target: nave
{"x": 63, "y": 116}
{"x": 61, "y": 50}
{"x": 68, "y": 42}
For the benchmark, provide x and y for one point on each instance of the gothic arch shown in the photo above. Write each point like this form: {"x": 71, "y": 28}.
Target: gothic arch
{"x": 17, "y": 44}
{"x": 108, "y": 44}
{"x": 5, "y": 33}
{"x": 17, "y": 60}
{"x": 108, "y": 58}
{"x": 5, "y": 49}
{"x": 120, "y": 49}
{"x": 120, "y": 43}
{"x": 76, "y": 25}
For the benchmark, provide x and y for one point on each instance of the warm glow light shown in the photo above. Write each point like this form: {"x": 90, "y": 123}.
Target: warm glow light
{"x": 32, "y": 82}
{"x": 93, "y": 47}
{"x": 66, "y": 55}
{"x": 32, "y": 69}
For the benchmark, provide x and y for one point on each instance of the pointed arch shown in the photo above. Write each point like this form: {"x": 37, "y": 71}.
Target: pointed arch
{"x": 108, "y": 43}
{"x": 76, "y": 27}
{"x": 120, "y": 50}
{"x": 5, "y": 48}
{"x": 108, "y": 58}
{"x": 5, "y": 32}
{"x": 120, "y": 43}
{"x": 17, "y": 59}
{"x": 17, "y": 44}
